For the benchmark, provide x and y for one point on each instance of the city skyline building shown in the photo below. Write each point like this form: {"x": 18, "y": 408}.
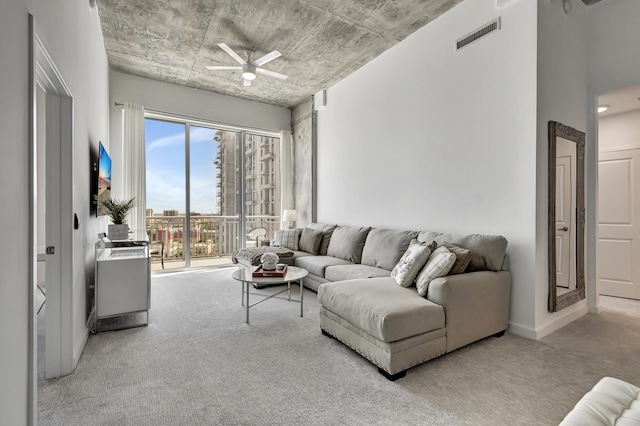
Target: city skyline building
{"x": 261, "y": 174}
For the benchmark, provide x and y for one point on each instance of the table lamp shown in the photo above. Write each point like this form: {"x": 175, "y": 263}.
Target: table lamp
{"x": 290, "y": 216}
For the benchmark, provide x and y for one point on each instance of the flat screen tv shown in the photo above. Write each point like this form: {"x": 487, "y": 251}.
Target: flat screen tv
{"x": 104, "y": 178}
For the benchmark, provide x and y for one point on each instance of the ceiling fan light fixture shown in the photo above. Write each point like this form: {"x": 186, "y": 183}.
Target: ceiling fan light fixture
{"x": 249, "y": 72}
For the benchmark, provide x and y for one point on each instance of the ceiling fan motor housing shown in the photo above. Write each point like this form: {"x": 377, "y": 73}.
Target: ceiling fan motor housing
{"x": 249, "y": 71}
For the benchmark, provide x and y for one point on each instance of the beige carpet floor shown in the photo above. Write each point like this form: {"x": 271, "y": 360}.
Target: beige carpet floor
{"x": 198, "y": 363}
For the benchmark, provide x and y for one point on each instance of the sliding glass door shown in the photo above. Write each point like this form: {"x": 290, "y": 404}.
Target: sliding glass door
{"x": 166, "y": 190}
{"x": 230, "y": 190}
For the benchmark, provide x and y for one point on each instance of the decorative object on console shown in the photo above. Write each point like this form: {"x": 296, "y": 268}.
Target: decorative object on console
{"x": 269, "y": 261}
{"x": 117, "y": 211}
{"x": 290, "y": 216}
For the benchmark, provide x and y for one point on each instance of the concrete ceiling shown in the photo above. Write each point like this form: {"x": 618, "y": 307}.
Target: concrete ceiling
{"x": 321, "y": 41}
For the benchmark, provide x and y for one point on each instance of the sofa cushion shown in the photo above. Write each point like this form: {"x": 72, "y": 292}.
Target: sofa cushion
{"x": 347, "y": 243}
{"x": 463, "y": 257}
{"x": 316, "y": 265}
{"x": 487, "y": 251}
{"x": 310, "y": 240}
{"x": 384, "y": 247}
{"x": 349, "y": 272}
{"x": 287, "y": 238}
{"x": 327, "y": 231}
{"x": 381, "y": 308}
{"x": 411, "y": 262}
{"x": 438, "y": 265}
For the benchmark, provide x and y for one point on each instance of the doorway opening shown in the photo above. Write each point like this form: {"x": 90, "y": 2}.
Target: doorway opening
{"x": 619, "y": 193}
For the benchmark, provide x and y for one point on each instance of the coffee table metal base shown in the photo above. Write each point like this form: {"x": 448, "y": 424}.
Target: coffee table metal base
{"x": 294, "y": 275}
{"x": 247, "y": 305}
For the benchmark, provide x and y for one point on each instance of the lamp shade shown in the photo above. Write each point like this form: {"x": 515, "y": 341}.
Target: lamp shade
{"x": 290, "y": 215}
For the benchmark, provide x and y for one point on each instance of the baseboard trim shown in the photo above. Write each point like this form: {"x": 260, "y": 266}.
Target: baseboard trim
{"x": 77, "y": 351}
{"x": 522, "y": 331}
{"x": 558, "y": 323}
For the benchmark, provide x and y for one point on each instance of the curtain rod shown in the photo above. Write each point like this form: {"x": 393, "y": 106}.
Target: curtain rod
{"x": 205, "y": 122}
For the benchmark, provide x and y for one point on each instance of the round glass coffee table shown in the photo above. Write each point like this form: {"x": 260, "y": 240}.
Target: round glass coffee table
{"x": 245, "y": 276}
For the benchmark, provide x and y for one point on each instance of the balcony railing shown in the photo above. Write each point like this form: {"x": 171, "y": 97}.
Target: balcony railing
{"x": 210, "y": 236}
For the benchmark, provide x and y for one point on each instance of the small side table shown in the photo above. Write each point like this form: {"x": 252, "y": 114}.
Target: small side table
{"x": 245, "y": 276}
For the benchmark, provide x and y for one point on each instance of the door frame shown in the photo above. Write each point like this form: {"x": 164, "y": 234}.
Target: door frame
{"x": 59, "y": 312}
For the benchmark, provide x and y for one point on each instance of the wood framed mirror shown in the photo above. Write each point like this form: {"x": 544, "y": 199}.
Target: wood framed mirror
{"x": 566, "y": 216}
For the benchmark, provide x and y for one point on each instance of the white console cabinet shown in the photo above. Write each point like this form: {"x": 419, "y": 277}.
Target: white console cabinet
{"x": 123, "y": 280}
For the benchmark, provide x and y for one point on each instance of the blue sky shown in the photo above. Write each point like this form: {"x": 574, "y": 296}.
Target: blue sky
{"x": 165, "y": 158}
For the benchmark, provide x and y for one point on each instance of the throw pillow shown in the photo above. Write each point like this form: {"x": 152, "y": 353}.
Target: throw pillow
{"x": 327, "y": 230}
{"x": 463, "y": 257}
{"x": 410, "y": 263}
{"x": 438, "y": 265}
{"x": 287, "y": 238}
{"x": 347, "y": 243}
{"x": 310, "y": 240}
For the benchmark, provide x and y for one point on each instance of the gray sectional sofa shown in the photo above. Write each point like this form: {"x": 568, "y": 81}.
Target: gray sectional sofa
{"x": 393, "y": 326}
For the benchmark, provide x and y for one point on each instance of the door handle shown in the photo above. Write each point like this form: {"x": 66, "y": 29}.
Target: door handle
{"x": 565, "y": 229}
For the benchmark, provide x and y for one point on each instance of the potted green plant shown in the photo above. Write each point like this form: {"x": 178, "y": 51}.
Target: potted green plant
{"x": 118, "y": 210}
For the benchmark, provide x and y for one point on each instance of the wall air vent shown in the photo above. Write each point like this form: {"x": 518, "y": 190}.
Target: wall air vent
{"x": 478, "y": 34}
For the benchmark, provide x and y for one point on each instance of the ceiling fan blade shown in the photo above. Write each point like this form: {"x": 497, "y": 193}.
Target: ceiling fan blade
{"x": 222, "y": 67}
{"x": 247, "y": 83}
{"x": 271, "y": 73}
{"x": 266, "y": 58}
{"x": 231, "y": 53}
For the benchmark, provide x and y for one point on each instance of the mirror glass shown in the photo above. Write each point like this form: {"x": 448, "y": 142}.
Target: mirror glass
{"x": 566, "y": 216}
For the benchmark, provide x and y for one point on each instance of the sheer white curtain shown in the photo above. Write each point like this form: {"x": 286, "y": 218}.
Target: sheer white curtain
{"x": 286, "y": 174}
{"x": 133, "y": 167}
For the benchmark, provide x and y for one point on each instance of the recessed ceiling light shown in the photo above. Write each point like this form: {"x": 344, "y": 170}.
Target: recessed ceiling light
{"x": 603, "y": 108}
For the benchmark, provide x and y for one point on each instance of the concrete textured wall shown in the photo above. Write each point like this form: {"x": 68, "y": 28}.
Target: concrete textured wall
{"x": 302, "y": 124}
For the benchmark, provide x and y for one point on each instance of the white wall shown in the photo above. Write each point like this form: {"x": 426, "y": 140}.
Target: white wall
{"x": 619, "y": 131}
{"x": 71, "y": 34}
{"x": 424, "y": 137}
{"x": 186, "y": 102}
{"x": 562, "y": 96}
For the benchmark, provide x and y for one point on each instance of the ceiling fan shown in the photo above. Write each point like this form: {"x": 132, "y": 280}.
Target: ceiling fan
{"x": 249, "y": 67}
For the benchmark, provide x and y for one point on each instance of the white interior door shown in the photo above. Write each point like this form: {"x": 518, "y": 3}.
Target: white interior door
{"x": 564, "y": 223}
{"x": 618, "y": 236}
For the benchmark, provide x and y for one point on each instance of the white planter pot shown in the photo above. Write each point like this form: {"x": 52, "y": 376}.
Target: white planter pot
{"x": 119, "y": 232}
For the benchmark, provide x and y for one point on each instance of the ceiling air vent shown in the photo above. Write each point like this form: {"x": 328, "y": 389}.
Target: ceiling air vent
{"x": 478, "y": 34}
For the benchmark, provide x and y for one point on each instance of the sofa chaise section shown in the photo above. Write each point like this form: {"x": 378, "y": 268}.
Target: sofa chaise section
{"x": 392, "y": 326}
{"x": 366, "y": 314}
